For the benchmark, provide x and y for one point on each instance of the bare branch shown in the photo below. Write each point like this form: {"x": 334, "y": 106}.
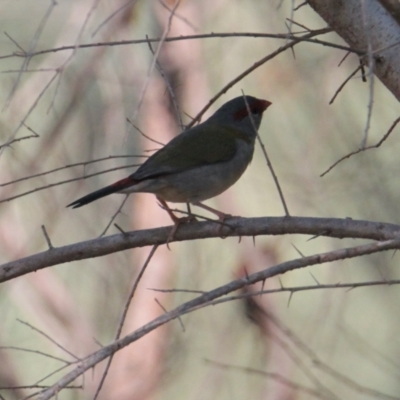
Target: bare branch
{"x": 35, "y": 352}
{"x": 48, "y": 338}
{"x": 124, "y": 314}
{"x": 10, "y": 142}
{"x": 339, "y": 89}
{"x": 382, "y": 27}
{"x": 112, "y": 15}
{"x": 330, "y": 227}
{"x": 156, "y": 54}
{"x": 256, "y": 65}
{"x": 289, "y": 289}
{"x": 47, "y": 237}
{"x": 143, "y": 134}
{"x": 269, "y": 164}
{"x": 84, "y": 163}
{"x": 371, "y": 64}
{"x": 205, "y": 300}
{"x": 271, "y": 375}
{"x": 170, "y": 89}
{"x": 38, "y": 189}
{"x": 29, "y": 52}
{"x": 114, "y": 216}
{"x": 213, "y": 35}
{"x": 394, "y": 124}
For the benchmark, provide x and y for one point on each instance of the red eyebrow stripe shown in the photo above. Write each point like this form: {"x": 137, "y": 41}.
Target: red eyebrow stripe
{"x": 257, "y": 107}
{"x": 239, "y": 115}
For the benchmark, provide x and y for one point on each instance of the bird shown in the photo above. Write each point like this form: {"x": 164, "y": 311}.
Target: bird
{"x": 198, "y": 164}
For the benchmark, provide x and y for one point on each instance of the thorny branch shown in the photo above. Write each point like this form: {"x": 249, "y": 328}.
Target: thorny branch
{"x": 330, "y": 227}
{"x": 283, "y": 36}
{"x": 124, "y": 314}
{"x": 375, "y": 146}
{"x": 205, "y": 299}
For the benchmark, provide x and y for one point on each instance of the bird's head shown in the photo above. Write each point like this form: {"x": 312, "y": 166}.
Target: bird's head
{"x": 244, "y": 112}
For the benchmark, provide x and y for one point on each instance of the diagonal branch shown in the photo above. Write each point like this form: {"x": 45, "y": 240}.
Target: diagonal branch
{"x": 205, "y": 299}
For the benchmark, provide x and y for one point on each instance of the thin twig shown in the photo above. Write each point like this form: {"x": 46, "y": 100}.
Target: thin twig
{"x": 58, "y": 84}
{"x": 16, "y": 43}
{"x": 289, "y": 27}
{"x": 9, "y": 143}
{"x": 35, "y": 352}
{"x": 298, "y": 24}
{"x": 396, "y": 121}
{"x": 115, "y": 215}
{"x": 256, "y": 65}
{"x": 338, "y": 376}
{"x": 291, "y": 23}
{"x": 123, "y": 316}
{"x": 339, "y": 89}
{"x": 370, "y": 74}
{"x": 37, "y": 387}
{"x": 178, "y": 291}
{"x": 49, "y": 338}
{"x": 13, "y": 71}
{"x": 120, "y": 229}
{"x": 290, "y": 289}
{"x": 275, "y": 376}
{"x": 213, "y": 35}
{"x": 112, "y": 15}
{"x": 143, "y": 134}
{"x": 28, "y": 54}
{"x": 59, "y": 70}
{"x": 155, "y": 57}
{"x": 344, "y": 58}
{"x": 300, "y": 5}
{"x": 267, "y": 159}
{"x": 298, "y": 251}
{"x": 55, "y": 372}
{"x": 47, "y": 238}
{"x": 38, "y": 189}
{"x": 170, "y": 90}
{"x": 180, "y": 17}
{"x": 32, "y": 107}
{"x": 165, "y": 310}
{"x": 34, "y": 135}
{"x": 84, "y": 163}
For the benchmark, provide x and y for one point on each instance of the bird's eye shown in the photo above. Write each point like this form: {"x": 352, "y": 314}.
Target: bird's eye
{"x": 255, "y": 110}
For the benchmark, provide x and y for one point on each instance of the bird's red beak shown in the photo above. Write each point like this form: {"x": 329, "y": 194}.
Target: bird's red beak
{"x": 264, "y": 104}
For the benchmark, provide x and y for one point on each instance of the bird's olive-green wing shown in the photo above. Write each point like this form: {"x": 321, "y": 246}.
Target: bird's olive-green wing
{"x": 201, "y": 145}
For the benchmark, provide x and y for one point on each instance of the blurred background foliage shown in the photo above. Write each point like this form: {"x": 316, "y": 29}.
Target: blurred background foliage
{"x": 77, "y": 101}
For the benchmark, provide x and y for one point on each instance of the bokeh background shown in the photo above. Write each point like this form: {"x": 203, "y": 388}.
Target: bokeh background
{"x": 78, "y": 102}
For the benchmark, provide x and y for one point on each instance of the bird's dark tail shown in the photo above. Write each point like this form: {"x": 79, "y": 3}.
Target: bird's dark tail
{"x": 98, "y": 194}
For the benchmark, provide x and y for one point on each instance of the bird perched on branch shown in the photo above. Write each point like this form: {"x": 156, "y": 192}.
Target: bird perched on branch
{"x": 198, "y": 164}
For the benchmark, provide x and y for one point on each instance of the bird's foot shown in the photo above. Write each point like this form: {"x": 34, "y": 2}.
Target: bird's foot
{"x": 176, "y": 220}
{"x": 177, "y": 223}
{"x": 222, "y": 217}
{"x": 221, "y": 221}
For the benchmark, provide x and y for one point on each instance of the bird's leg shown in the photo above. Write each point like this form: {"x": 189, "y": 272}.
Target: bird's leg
{"x": 190, "y": 217}
{"x": 221, "y": 216}
{"x": 164, "y": 206}
{"x": 176, "y": 220}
